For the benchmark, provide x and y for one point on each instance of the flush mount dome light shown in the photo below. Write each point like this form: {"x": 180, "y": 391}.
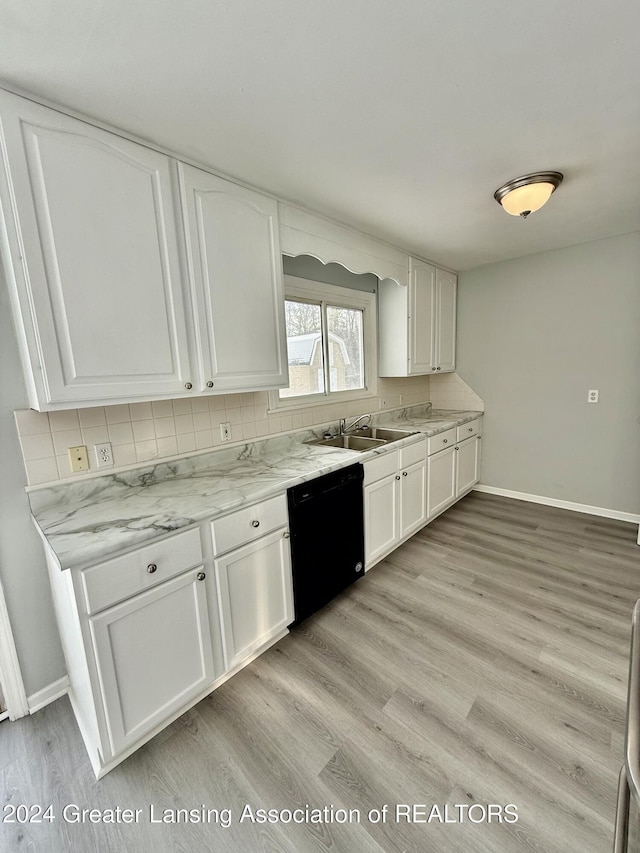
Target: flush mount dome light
{"x": 522, "y": 196}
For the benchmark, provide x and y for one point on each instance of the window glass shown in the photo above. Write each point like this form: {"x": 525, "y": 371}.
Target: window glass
{"x": 304, "y": 349}
{"x": 345, "y": 341}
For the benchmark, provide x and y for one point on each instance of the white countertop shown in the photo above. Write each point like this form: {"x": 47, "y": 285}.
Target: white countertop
{"x": 85, "y": 522}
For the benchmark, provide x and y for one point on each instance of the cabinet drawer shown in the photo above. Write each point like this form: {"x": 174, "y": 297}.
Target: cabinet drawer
{"x": 467, "y": 430}
{"x": 381, "y": 466}
{"x": 441, "y": 441}
{"x": 117, "y": 579}
{"x": 413, "y": 453}
{"x": 248, "y": 524}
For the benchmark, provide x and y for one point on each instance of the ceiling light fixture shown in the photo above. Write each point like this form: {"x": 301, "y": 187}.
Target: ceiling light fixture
{"x": 522, "y": 196}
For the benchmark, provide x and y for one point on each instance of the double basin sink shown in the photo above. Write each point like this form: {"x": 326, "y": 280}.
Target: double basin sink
{"x": 363, "y": 439}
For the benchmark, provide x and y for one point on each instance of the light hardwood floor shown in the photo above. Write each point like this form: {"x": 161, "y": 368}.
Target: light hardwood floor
{"x": 484, "y": 662}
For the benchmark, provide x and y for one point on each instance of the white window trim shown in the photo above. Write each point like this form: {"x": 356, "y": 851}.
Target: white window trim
{"x": 344, "y": 297}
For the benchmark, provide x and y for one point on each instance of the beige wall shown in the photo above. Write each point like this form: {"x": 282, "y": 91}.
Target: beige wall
{"x": 534, "y": 335}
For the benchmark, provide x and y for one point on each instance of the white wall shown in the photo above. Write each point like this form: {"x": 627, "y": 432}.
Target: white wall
{"x": 22, "y": 566}
{"x": 534, "y": 334}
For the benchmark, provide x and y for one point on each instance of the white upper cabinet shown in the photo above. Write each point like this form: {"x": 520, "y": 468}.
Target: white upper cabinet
{"x": 92, "y": 261}
{"x": 445, "y": 325}
{"x": 235, "y": 273}
{"x": 304, "y": 233}
{"x": 418, "y": 322}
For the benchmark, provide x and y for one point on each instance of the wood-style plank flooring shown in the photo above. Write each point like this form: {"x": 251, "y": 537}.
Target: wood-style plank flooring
{"x": 483, "y": 663}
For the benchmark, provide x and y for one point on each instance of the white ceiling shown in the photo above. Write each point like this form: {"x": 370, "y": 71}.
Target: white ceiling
{"x": 400, "y": 117}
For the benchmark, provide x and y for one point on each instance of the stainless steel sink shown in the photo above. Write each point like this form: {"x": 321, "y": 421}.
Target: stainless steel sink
{"x": 364, "y": 439}
{"x": 349, "y": 442}
{"x": 384, "y": 434}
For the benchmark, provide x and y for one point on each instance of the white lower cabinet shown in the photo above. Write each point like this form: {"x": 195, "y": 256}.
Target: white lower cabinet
{"x": 254, "y": 583}
{"x": 153, "y": 653}
{"x": 252, "y": 561}
{"x": 149, "y": 633}
{"x": 453, "y": 465}
{"x": 394, "y": 499}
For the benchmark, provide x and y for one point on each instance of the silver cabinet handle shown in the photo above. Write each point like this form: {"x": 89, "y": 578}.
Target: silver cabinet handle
{"x": 470, "y": 429}
{"x": 445, "y": 441}
{"x": 201, "y": 576}
{"x": 434, "y": 368}
{"x": 255, "y": 523}
{"x": 188, "y": 386}
{"x": 404, "y": 473}
{"x": 438, "y": 368}
{"x": 209, "y": 384}
{"x": 397, "y": 476}
{"x": 286, "y": 535}
{"x": 456, "y": 448}
{"x": 151, "y": 568}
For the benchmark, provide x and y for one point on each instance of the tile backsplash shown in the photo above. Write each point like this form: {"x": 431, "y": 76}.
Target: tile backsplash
{"x": 140, "y": 432}
{"x": 450, "y": 391}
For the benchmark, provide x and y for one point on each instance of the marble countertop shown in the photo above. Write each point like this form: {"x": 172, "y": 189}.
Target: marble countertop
{"x": 85, "y": 522}
{"x": 427, "y": 421}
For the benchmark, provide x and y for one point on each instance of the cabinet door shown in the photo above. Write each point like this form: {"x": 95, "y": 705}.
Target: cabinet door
{"x": 98, "y": 294}
{"x": 381, "y": 518}
{"x": 235, "y": 270}
{"x": 422, "y": 309}
{"x": 446, "y": 287}
{"x": 413, "y": 498}
{"x": 467, "y": 467}
{"x": 255, "y": 588}
{"x": 153, "y": 654}
{"x": 441, "y": 485}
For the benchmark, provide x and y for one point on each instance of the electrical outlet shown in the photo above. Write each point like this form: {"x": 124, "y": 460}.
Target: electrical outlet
{"x": 78, "y": 458}
{"x": 104, "y": 455}
{"x": 592, "y": 396}
{"x": 225, "y": 431}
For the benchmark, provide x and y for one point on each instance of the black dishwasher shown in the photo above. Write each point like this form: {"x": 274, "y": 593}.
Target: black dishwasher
{"x": 326, "y": 522}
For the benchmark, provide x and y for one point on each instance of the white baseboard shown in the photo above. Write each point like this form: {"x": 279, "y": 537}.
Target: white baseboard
{"x": 632, "y": 517}
{"x": 48, "y": 694}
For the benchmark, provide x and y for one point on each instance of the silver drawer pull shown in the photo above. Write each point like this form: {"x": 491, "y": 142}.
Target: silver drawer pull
{"x": 470, "y": 429}
{"x": 397, "y": 476}
{"x": 201, "y": 576}
{"x": 286, "y": 535}
{"x": 404, "y": 473}
{"x": 151, "y": 568}
{"x": 255, "y": 523}
{"x": 445, "y": 441}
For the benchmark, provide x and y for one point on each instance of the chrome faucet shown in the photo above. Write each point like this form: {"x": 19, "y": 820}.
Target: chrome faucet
{"x": 344, "y": 429}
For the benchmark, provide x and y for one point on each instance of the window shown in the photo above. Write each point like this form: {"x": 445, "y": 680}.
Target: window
{"x": 331, "y": 344}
